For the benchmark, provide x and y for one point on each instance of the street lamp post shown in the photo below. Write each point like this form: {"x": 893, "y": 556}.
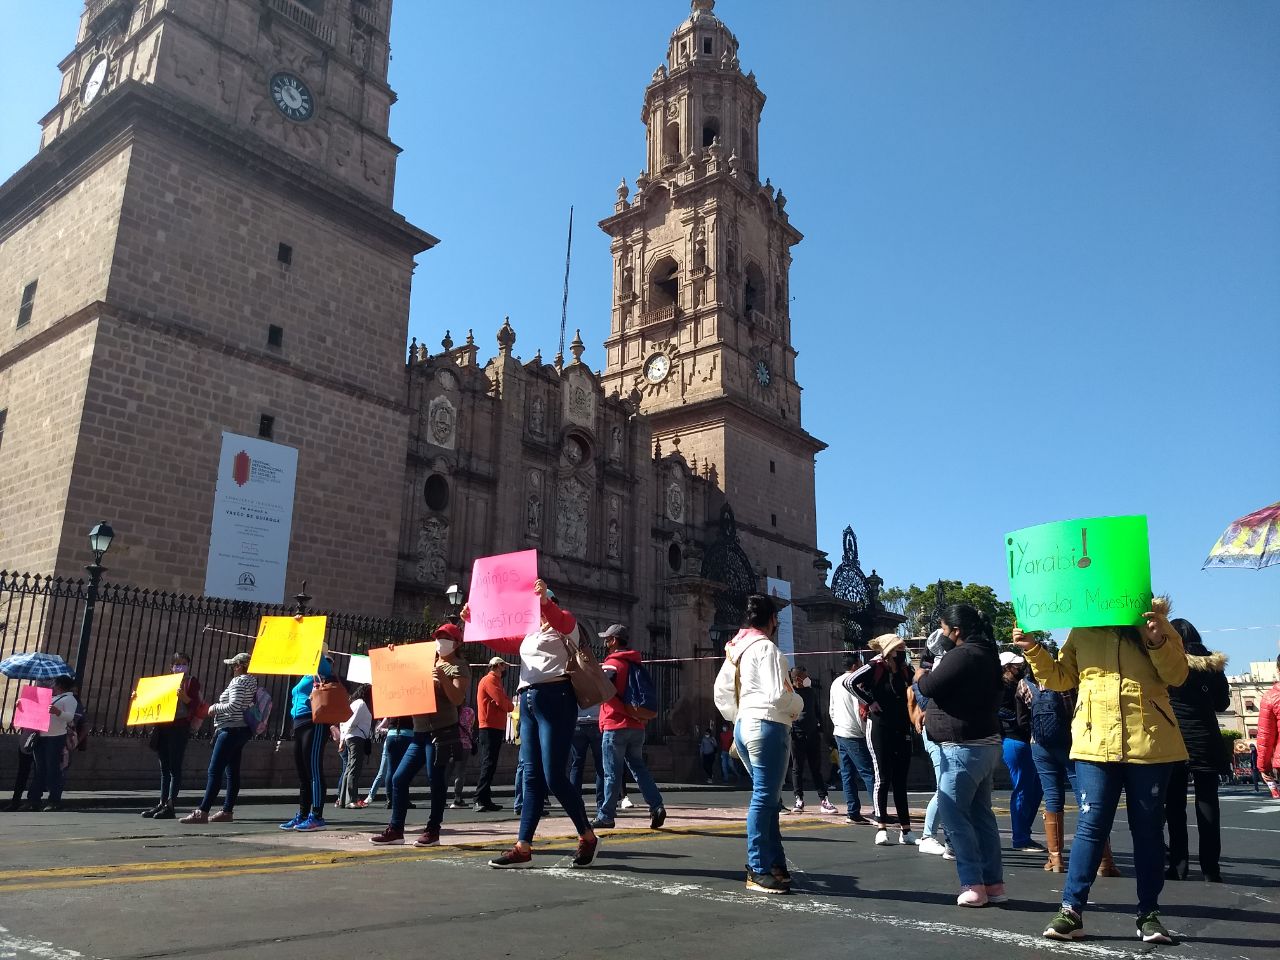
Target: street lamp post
{"x": 100, "y": 538}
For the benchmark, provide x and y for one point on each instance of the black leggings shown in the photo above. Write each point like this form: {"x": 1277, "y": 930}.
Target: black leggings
{"x": 1208, "y": 817}
{"x": 309, "y": 741}
{"x": 891, "y": 759}
{"x": 807, "y": 751}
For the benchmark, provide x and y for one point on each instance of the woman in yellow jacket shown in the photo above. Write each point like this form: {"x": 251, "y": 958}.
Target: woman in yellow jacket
{"x": 1124, "y": 736}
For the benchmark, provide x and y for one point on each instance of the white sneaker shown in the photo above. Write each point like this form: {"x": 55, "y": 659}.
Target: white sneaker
{"x": 882, "y": 838}
{"x": 799, "y": 807}
{"x": 948, "y": 853}
{"x": 931, "y": 846}
{"x": 907, "y": 837}
{"x": 828, "y": 806}
{"x": 626, "y": 803}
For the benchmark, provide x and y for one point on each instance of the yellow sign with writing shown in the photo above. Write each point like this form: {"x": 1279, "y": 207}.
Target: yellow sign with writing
{"x": 287, "y": 646}
{"x": 155, "y": 700}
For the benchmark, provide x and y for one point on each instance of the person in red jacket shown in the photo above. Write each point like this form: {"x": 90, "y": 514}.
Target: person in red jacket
{"x": 492, "y": 707}
{"x": 623, "y": 740}
{"x": 1269, "y": 737}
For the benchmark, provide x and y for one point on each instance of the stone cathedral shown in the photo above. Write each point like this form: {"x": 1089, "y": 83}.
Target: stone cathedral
{"x": 206, "y": 241}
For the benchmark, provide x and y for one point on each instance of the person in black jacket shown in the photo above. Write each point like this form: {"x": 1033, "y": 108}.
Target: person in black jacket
{"x": 806, "y": 742}
{"x": 963, "y": 718}
{"x": 882, "y": 687}
{"x": 1196, "y": 704}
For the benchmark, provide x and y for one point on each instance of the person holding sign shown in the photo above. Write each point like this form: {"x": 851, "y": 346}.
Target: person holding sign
{"x": 436, "y": 742}
{"x": 169, "y": 740}
{"x": 1124, "y": 737}
{"x": 548, "y": 714}
{"x": 230, "y": 733}
{"x": 309, "y": 740}
{"x": 49, "y": 745}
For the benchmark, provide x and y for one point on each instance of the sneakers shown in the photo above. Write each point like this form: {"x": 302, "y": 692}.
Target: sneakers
{"x": 996, "y": 894}
{"x": 799, "y": 807}
{"x": 429, "y": 838}
{"x": 195, "y": 816}
{"x": 1067, "y": 925}
{"x": 974, "y": 895}
{"x": 907, "y": 837}
{"x": 828, "y": 806}
{"x": 222, "y": 816}
{"x": 859, "y": 819}
{"x": 1151, "y": 930}
{"x": 360, "y": 804}
{"x": 311, "y": 823}
{"x": 948, "y": 853}
{"x": 658, "y": 818}
{"x": 489, "y": 807}
{"x": 586, "y": 851}
{"x": 601, "y": 824}
{"x": 882, "y": 837}
{"x": 513, "y": 858}
{"x": 293, "y": 823}
{"x": 782, "y": 875}
{"x": 626, "y": 803}
{"x": 765, "y": 883}
{"x": 388, "y": 837}
{"x": 1029, "y": 846}
{"x": 153, "y": 811}
{"x": 931, "y": 846}
{"x": 166, "y": 813}
{"x": 459, "y": 805}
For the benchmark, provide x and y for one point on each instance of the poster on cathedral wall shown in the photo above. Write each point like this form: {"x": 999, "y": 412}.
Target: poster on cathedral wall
{"x": 252, "y": 520}
{"x": 786, "y": 638}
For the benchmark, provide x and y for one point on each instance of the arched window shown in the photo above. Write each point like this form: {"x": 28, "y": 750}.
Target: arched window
{"x": 664, "y": 284}
{"x": 436, "y": 492}
{"x": 753, "y": 289}
{"x": 671, "y": 142}
{"x": 710, "y": 130}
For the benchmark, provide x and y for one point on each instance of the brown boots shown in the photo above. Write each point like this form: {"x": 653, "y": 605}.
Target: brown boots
{"x": 1108, "y": 866}
{"x": 1053, "y": 841}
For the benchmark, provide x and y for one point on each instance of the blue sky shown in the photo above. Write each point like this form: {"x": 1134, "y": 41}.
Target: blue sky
{"x": 1041, "y": 269}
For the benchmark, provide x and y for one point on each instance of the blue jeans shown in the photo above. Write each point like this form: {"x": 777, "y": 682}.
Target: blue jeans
{"x": 171, "y": 747}
{"x": 931, "y": 811}
{"x": 855, "y": 762}
{"x": 586, "y": 742}
{"x": 619, "y": 747}
{"x": 1056, "y": 770}
{"x": 765, "y": 747}
{"x": 421, "y": 752}
{"x": 228, "y": 746}
{"x": 517, "y": 799}
{"x": 1099, "y": 785}
{"x": 49, "y": 774}
{"x": 393, "y": 749}
{"x": 965, "y": 778}
{"x": 728, "y": 772}
{"x": 548, "y": 715}
{"x": 1024, "y": 801}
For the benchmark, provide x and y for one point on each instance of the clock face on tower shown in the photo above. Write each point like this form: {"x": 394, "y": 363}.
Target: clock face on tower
{"x": 94, "y": 80}
{"x": 292, "y": 97}
{"x": 763, "y": 374}
{"x": 657, "y": 367}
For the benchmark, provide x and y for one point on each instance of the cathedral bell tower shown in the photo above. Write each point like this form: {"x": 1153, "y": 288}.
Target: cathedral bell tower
{"x": 700, "y": 334}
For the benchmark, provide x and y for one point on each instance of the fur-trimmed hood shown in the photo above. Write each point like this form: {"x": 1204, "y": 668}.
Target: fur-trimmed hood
{"x": 1214, "y": 662}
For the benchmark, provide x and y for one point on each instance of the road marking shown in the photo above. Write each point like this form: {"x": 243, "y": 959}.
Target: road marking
{"x": 1275, "y": 808}
{"x": 13, "y": 946}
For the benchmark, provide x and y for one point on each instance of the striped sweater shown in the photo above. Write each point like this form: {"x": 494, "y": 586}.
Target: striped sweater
{"x": 228, "y": 712}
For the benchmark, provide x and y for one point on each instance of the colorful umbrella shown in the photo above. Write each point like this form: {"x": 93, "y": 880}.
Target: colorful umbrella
{"x": 35, "y": 666}
{"x": 1252, "y": 541}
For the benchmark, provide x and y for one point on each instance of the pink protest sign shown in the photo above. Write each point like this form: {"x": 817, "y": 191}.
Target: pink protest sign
{"x": 32, "y": 712}
{"x": 502, "y": 600}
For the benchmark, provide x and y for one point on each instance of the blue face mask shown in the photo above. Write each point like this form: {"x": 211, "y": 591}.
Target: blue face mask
{"x": 180, "y": 668}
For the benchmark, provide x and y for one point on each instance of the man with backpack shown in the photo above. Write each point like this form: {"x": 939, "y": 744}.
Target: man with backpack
{"x": 622, "y": 720}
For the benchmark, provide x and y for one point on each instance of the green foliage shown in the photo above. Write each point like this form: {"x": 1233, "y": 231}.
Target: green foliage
{"x": 917, "y": 604}
{"x": 1230, "y": 737}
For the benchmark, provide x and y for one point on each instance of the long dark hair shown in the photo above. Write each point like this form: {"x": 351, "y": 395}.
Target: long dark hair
{"x": 973, "y": 624}
{"x": 761, "y": 611}
{"x": 1189, "y": 634}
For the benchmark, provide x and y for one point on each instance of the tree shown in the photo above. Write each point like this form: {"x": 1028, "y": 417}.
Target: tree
{"x": 918, "y": 605}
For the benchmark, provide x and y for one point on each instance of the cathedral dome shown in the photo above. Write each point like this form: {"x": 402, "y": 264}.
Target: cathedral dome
{"x": 703, "y": 36}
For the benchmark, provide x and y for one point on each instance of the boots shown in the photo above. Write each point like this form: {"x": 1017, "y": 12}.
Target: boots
{"x": 1053, "y": 841}
{"x": 1108, "y": 866}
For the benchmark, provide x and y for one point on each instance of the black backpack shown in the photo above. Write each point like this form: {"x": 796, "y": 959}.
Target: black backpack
{"x": 1050, "y": 717}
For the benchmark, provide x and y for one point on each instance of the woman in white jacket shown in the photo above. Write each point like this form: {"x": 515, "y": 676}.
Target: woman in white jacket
{"x": 753, "y": 690}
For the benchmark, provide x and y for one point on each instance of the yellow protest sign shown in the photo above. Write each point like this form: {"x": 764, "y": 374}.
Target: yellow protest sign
{"x": 155, "y": 700}
{"x": 288, "y": 646}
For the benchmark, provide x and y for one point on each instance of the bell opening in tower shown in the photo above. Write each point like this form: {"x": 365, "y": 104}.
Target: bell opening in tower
{"x": 753, "y": 289}
{"x": 671, "y": 143}
{"x": 710, "y": 131}
{"x": 664, "y": 284}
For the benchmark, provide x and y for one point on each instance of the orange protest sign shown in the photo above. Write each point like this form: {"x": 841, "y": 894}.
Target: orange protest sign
{"x": 404, "y": 679}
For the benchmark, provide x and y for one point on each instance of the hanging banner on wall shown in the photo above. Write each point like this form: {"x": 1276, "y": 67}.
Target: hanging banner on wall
{"x": 252, "y": 520}
{"x": 786, "y": 638}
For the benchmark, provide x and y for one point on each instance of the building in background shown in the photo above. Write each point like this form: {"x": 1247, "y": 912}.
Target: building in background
{"x": 1246, "y": 697}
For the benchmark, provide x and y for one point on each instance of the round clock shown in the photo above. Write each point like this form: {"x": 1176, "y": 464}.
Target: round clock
{"x": 292, "y": 97}
{"x": 763, "y": 374}
{"x": 657, "y": 367}
{"x": 94, "y": 80}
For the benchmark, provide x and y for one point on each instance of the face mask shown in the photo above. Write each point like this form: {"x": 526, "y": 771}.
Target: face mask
{"x": 805, "y": 682}
{"x": 180, "y": 668}
{"x": 445, "y": 646}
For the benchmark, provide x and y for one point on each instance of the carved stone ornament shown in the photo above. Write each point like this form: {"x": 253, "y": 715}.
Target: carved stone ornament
{"x": 538, "y": 417}
{"x": 675, "y": 502}
{"x": 533, "y": 505}
{"x": 614, "y": 542}
{"x": 579, "y": 401}
{"x": 433, "y": 544}
{"x": 615, "y": 443}
{"x": 571, "y": 518}
{"x": 442, "y": 421}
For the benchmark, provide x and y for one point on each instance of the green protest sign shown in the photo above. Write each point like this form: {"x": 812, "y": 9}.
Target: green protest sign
{"x": 1080, "y": 573}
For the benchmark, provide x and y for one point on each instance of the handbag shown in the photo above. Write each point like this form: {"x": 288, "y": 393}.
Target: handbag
{"x": 448, "y": 745}
{"x": 590, "y": 685}
{"x": 329, "y": 703}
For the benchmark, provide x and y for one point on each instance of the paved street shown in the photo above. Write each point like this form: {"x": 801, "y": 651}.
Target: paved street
{"x": 108, "y": 884}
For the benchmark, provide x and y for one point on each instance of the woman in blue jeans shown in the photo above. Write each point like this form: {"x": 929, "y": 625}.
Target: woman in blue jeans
{"x": 1123, "y": 738}
{"x": 231, "y": 733}
{"x": 548, "y": 715}
{"x": 1015, "y": 726}
{"x": 753, "y": 690}
{"x": 964, "y": 700}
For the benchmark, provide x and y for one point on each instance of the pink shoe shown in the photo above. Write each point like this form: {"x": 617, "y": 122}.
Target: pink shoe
{"x": 996, "y": 894}
{"x": 972, "y": 896}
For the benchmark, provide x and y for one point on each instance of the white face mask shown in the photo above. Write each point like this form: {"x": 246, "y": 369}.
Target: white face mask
{"x": 445, "y": 646}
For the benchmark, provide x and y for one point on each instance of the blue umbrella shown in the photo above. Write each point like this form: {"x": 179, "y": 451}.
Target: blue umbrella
{"x": 34, "y": 666}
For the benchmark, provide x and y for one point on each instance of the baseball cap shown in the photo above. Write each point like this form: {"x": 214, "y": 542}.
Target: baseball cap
{"x": 448, "y": 630}
{"x": 239, "y": 660}
{"x": 494, "y": 661}
{"x": 617, "y": 630}
{"x": 1008, "y": 656}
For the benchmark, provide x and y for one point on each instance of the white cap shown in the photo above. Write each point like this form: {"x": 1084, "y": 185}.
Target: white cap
{"x": 1008, "y": 656}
